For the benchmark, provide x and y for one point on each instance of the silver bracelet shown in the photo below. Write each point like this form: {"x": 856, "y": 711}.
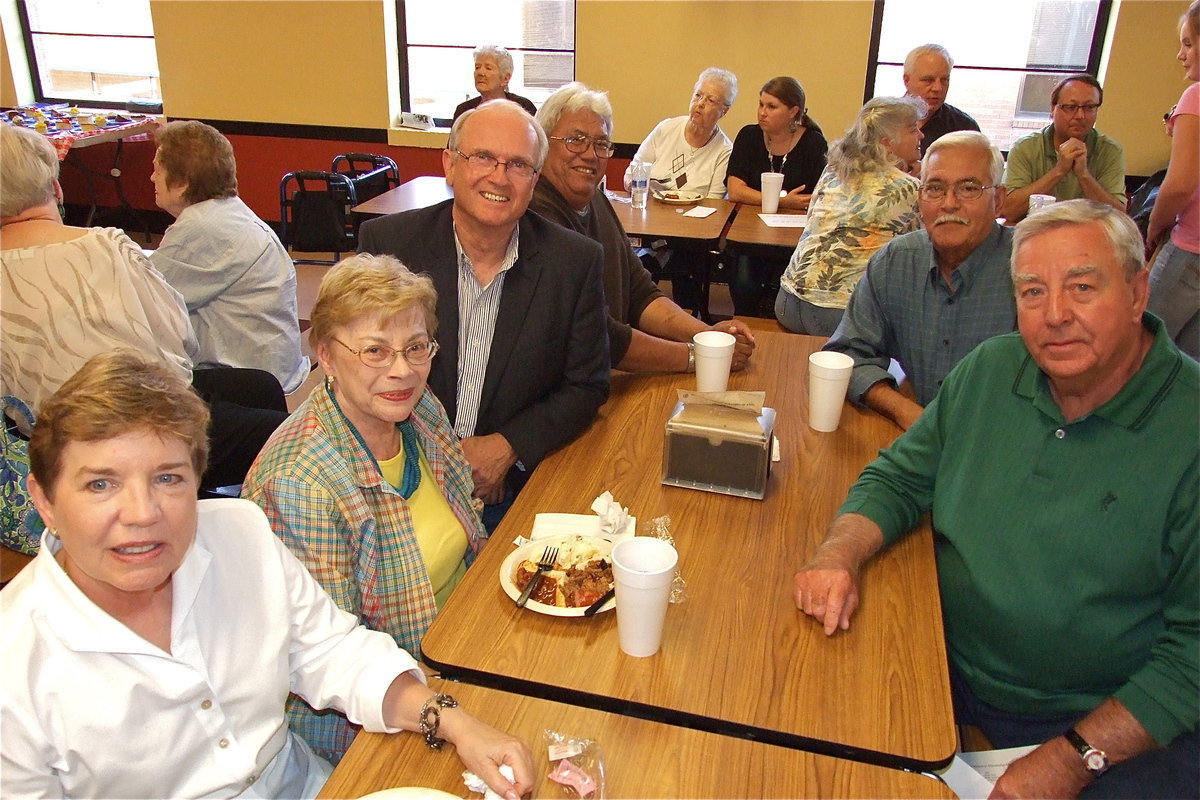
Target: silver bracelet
{"x": 691, "y": 367}
{"x": 431, "y": 718}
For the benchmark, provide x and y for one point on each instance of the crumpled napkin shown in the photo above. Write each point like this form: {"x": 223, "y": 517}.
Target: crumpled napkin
{"x": 612, "y": 521}
{"x": 477, "y": 784}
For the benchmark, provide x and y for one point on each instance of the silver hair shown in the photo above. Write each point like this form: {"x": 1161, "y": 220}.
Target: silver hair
{"x": 508, "y": 107}
{"x": 724, "y": 77}
{"x": 910, "y": 60}
{"x": 28, "y": 169}
{"x": 1119, "y": 229}
{"x": 861, "y": 149}
{"x": 575, "y": 97}
{"x": 971, "y": 139}
{"x": 501, "y": 56}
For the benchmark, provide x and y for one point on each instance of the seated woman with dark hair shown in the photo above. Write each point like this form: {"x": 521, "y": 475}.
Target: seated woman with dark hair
{"x": 366, "y": 481}
{"x": 69, "y": 293}
{"x": 236, "y": 278}
{"x": 149, "y": 647}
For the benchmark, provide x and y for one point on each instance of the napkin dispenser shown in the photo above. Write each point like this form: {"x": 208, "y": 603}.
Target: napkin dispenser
{"x": 715, "y": 448}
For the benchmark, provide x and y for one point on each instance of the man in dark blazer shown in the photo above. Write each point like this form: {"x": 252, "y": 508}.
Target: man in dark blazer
{"x": 523, "y": 364}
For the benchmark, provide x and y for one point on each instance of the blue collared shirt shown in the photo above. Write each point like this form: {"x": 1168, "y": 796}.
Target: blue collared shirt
{"x": 903, "y": 309}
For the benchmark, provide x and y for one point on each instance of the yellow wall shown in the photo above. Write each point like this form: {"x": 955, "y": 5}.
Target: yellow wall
{"x": 824, "y": 45}
{"x": 332, "y": 62}
{"x": 305, "y": 62}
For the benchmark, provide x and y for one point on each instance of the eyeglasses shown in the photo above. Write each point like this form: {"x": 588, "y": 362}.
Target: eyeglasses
{"x": 378, "y": 355}
{"x": 1070, "y": 108}
{"x": 964, "y": 190}
{"x": 701, "y": 97}
{"x": 486, "y": 163}
{"x": 603, "y": 148}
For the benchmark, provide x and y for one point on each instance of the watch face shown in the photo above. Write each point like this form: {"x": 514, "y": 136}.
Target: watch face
{"x": 1095, "y": 761}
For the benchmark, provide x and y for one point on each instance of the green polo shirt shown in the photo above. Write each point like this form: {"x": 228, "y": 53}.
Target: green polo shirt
{"x": 1033, "y": 155}
{"x": 1067, "y": 553}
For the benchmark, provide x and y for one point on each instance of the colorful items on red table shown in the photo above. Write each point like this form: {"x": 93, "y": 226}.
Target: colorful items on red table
{"x": 64, "y": 125}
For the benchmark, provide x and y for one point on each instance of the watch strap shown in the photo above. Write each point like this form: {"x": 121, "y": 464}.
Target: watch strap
{"x": 1095, "y": 760}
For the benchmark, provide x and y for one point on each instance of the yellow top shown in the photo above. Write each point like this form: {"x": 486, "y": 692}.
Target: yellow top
{"x": 440, "y": 535}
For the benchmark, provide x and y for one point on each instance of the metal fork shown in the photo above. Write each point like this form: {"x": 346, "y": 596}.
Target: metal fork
{"x": 549, "y": 556}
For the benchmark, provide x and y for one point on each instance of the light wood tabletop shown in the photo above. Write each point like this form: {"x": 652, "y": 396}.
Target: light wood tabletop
{"x": 748, "y": 228}
{"x": 659, "y": 220}
{"x": 737, "y": 657}
{"x": 641, "y": 759}
{"x": 427, "y": 190}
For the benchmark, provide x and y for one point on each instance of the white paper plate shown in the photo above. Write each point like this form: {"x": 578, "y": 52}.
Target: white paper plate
{"x": 533, "y": 551}
{"x": 679, "y": 197}
{"x": 410, "y": 793}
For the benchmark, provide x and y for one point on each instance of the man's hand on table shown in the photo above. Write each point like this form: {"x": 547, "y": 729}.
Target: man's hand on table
{"x": 482, "y": 749}
{"x": 826, "y": 588}
{"x": 744, "y": 347}
{"x": 490, "y": 458}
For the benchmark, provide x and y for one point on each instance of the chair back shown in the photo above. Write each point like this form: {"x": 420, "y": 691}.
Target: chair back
{"x": 314, "y": 214}
{"x": 372, "y": 174}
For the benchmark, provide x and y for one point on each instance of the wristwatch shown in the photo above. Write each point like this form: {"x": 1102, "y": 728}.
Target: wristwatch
{"x": 1095, "y": 760}
{"x": 691, "y": 367}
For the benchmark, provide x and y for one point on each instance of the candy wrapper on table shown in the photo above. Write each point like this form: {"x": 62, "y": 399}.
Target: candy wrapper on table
{"x": 576, "y": 765}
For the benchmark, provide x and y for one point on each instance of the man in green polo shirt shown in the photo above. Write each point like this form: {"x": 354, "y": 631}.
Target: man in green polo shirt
{"x": 1069, "y": 158}
{"x": 1060, "y": 464}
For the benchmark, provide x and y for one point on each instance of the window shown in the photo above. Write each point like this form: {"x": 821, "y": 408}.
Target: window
{"x": 1006, "y": 61}
{"x": 93, "y": 52}
{"x": 437, "y": 64}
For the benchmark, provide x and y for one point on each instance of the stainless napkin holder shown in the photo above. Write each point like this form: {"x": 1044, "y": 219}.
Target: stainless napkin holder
{"x": 715, "y": 448}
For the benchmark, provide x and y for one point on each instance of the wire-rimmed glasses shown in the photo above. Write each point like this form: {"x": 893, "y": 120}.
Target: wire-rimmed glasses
{"x": 486, "y": 163}
{"x": 579, "y": 143}
{"x": 377, "y": 356}
{"x": 963, "y": 190}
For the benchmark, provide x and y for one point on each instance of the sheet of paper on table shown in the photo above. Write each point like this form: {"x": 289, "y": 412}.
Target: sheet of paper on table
{"x": 971, "y": 776}
{"x": 699, "y": 211}
{"x": 785, "y": 220}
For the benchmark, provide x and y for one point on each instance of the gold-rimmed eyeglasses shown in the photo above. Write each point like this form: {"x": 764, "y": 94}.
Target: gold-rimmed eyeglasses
{"x": 579, "y": 143}
{"x": 486, "y": 163}
{"x": 964, "y": 190}
{"x": 378, "y": 355}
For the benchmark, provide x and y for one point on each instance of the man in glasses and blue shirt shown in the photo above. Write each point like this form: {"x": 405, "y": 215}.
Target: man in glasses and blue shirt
{"x": 523, "y": 366}
{"x": 929, "y": 297}
{"x": 1069, "y": 158}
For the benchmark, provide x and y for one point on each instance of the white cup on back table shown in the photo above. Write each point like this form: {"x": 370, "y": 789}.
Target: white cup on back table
{"x": 828, "y": 380}
{"x": 772, "y": 186}
{"x": 643, "y": 569}
{"x": 714, "y": 355}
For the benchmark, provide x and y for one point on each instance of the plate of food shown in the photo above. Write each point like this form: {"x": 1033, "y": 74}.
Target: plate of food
{"x": 679, "y": 197}
{"x": 581, "y": 575}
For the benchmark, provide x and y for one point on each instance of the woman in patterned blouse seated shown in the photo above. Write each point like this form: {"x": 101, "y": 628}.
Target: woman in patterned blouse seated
{"x": 864, "y": 198}
{"x": 366, "y": 482}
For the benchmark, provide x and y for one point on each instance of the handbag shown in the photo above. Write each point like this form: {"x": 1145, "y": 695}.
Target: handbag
{"x": 20, "y": 525}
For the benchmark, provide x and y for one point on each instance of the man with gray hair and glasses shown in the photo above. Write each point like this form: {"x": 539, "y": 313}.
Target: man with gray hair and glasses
{"x": 523, "y": 364}
{"x": 929, "y": 297}
{"x": 927, "y": 76}
{"x": 647, "y": 331}
{"x": 1060, "y": 466}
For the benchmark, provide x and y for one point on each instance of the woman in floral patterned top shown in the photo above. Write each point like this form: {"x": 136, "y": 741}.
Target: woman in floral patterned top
{"x": 864, "y": 199}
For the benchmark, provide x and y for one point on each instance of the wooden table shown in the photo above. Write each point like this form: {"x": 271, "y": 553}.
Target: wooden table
{"x": 426, "y": 190}
{"x": 737, "y": 657}
{"x": 659, "y": 220}
{"x": 748, "y": 229}
{"x": 641, "y": 758}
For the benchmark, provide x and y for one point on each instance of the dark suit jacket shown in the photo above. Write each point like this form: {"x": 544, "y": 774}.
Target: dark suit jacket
{"x": 548, "y": 372}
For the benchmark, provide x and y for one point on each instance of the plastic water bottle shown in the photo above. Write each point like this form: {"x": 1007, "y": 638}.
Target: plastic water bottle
{"x": 639, "y": 183}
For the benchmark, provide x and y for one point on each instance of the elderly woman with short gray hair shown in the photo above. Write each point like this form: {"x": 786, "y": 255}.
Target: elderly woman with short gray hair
{"x": 493, "y": 71}
{"x": 864, "y": 199}
{"x": 692, "y": 152}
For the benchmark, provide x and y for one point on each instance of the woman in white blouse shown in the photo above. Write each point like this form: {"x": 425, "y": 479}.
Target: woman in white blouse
{"x": 151, "y": 644}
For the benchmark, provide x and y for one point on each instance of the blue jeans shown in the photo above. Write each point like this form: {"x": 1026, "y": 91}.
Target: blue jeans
{"x": 801, "y": 316}
{"x": 1175, "y": 295}
{"x": 1167, "y": 772}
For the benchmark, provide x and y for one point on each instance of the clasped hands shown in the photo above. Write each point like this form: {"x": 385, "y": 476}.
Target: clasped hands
{"x": 744, "y": 347}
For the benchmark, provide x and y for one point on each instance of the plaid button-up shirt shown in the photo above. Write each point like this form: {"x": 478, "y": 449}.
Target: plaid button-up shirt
{"x": 326, "y": 499}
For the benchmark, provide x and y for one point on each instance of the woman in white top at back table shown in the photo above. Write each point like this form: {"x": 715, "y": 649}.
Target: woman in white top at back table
{"x": 692, "y": 152}
{"x": 863, "y": 200}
